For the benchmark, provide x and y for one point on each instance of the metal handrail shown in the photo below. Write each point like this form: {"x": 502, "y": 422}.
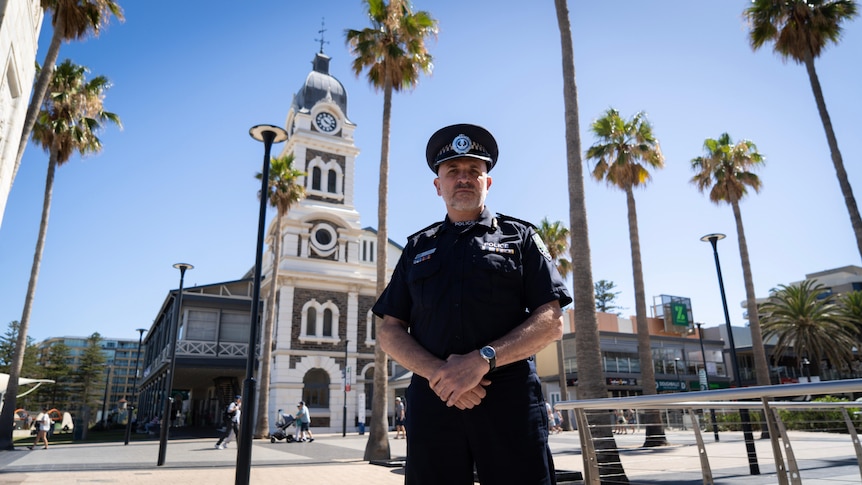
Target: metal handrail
{"x": 847, "y": 386}
{"x": 731, "y": 399}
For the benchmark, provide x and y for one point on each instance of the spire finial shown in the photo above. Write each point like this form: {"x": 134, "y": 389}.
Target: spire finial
{"x": 321, "y": 31}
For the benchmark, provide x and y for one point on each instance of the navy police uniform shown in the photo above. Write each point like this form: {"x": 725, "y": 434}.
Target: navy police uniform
{"x": 460, "y": 286}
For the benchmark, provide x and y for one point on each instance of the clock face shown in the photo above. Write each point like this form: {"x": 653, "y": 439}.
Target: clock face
{"x": 325, "y": 122}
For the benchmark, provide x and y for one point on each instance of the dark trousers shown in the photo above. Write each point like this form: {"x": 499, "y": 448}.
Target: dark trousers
{"x": 505, "y": 437}
{"x": 230, "y": 433}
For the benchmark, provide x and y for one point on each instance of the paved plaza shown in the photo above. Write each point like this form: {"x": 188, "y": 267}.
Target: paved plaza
{"x": 823, "y": 458}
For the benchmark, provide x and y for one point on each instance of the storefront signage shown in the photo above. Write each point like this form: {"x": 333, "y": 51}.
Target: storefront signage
{"x": 621, "y": 381}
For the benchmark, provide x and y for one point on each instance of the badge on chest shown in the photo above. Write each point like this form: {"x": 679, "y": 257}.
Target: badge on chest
{"x": 495, "y": 247}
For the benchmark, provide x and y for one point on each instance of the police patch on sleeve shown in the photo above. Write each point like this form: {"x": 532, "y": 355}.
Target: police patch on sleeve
{"x": 541, "y": 245}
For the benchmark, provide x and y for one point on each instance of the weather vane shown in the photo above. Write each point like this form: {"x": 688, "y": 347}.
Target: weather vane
{"x": 321, "y": 31}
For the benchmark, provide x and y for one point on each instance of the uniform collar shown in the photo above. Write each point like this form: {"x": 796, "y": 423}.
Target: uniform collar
{"x": 486, "y": 219}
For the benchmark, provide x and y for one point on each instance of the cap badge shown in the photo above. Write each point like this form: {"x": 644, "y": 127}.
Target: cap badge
{"x": 461, "y": 144}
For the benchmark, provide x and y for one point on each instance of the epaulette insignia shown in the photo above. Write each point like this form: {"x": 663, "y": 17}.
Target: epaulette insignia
{"x": 515, "y": 219}
{"x": 425, "y": 229}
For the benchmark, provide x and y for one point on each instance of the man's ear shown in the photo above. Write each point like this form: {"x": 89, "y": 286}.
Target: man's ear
{"x": 437, "y": 185}
{"x": 490, "y": 181}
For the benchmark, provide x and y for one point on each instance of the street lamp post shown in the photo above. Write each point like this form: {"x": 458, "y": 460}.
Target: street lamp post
{"x": 753, "y": 467}
{"x": 706, "y": 379}
{"x": 806, "y": 367}
{"x": 132, "y": 407}
{"x": 165, "y": 422}
{"x": 268, "y": 134}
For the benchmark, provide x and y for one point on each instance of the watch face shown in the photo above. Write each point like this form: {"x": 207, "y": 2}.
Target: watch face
{"x": 488, "y": 352}
{"x": 325, "y": 122}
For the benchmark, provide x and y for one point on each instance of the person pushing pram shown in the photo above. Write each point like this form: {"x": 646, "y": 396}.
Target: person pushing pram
{"x": 282, "y": 422}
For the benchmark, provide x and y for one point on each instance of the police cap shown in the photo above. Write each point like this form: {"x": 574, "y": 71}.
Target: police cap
{"x": 461, "y": 140}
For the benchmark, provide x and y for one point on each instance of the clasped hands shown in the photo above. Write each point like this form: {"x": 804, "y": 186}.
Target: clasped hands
{"x": 460, "y": 381}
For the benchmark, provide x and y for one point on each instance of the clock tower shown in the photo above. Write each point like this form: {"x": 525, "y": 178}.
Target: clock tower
{"x": 324, "y": 334}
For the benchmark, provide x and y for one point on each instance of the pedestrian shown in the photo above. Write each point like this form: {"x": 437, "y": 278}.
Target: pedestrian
{"x": 552, "y": 424}
{"x": 631, "y": 419}
{"x": 471, "y": 300}
{"x": 400, "y": 416}
{"x": 231, "y": 418}
{"x": 558, "y": 420}
{"x": 44, "y": 423}
{"x": 303, "y": 422}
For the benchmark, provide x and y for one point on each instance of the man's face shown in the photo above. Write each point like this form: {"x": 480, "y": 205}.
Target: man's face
{"x": 463, "y": 183}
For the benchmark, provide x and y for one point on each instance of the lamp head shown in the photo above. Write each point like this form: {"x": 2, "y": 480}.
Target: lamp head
{"x": 183, "y": 266}
{"x": 260, "y": 133}
{"x": 713, "y": 238}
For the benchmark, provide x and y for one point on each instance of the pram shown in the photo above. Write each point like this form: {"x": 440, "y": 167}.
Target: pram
{"x": 281, "y": 432}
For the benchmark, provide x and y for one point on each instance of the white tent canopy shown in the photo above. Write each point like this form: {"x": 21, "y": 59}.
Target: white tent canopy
{"x": 22, "y": 381}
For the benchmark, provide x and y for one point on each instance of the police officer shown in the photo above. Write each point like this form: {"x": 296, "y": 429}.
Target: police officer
{"x": 471, "y": 300}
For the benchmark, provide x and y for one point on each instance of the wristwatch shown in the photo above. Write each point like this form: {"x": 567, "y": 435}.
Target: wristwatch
{"x": 490, "y": 355}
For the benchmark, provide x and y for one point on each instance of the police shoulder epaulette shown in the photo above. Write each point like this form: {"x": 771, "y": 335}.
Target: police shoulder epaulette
{"x": 504, "y": 217}
{"x": 425, "y": 229}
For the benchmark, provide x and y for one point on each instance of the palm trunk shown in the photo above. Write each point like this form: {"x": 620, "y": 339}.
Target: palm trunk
{"x": 7, "y": 417}
{"x": 837, "y": 160}
{"x": 377, "y": 447}
{"x": 591, "y": 382}
{"x": 40, "y": 89}
{"x": 761, "y": 366}
{"x": 262, "y": 426}
{"x": 652, "y": 418}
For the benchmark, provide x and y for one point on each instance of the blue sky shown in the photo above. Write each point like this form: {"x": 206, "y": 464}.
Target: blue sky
{"x": 190, "y": 78}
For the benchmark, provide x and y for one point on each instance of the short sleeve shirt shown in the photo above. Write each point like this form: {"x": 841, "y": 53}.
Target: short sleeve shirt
{"x": 459, "y": 286}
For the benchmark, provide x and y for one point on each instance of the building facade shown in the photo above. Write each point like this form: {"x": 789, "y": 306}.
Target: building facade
{"x": 323, "y": 338}
{"x": 20, "y": 24}
{"x": 678, "y": 359}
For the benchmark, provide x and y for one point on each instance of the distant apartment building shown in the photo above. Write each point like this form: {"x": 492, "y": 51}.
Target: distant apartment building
{"x": 119, "y": 375}
{"x": 20, "y": 24}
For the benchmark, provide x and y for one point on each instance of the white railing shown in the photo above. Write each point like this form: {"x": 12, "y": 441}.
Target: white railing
{"x": 787, "y": 469}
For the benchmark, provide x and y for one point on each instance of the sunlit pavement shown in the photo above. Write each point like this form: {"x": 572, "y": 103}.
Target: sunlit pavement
{"x": 823, "y": 458}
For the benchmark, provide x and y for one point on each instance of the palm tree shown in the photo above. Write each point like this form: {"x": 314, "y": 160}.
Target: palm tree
{"x": 803, "y": 318}
{"x": 624, "y": 153}
{"x": 71, "y": 20}
{"x": 851, "y": 308}
{"x": 725, "y": 171}
{"x": 556, "y": 238}
{"x": 591, "y": 379}
{"x": 801, "y": 30}
{"x": 394, "y": 53}
{"x": 71, "y": 117}
{"x": 284, "y": 191}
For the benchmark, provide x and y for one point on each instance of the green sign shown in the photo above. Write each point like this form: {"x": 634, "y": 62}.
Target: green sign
{"x": 679, "y": 314}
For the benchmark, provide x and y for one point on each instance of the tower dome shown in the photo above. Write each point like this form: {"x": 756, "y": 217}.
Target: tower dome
{"x": 320, "y": 85}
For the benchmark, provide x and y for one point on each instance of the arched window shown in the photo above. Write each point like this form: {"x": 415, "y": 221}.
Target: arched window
{"x": 331, "y": 182}
{"x": 327, "y": 178}
{"x": 316, "y": 176}
{"x": 327, "y": 322}
{"x": 320, "y": 322}
{"x": 315, "y": 388}
{"x": 311, "y": 326}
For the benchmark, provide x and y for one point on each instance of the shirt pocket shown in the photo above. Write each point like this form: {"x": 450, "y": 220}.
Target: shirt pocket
{"x": 496, "y": 279}
{"x": 425, "y": 283}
